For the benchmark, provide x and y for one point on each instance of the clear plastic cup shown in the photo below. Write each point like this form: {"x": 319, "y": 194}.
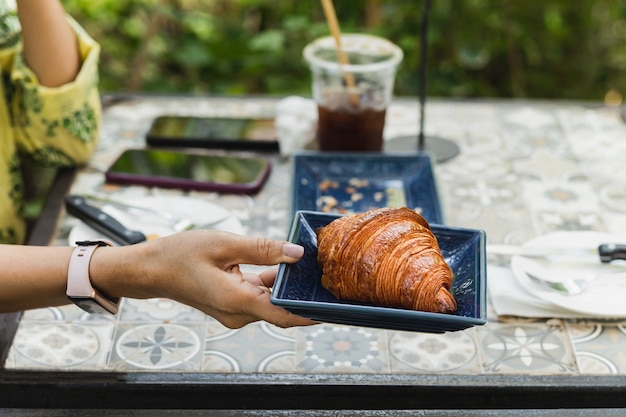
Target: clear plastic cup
{"x": 352, "y": 118}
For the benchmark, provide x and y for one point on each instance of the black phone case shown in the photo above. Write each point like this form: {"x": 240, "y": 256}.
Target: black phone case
{"x": 232, "y": 145}
{"x": 188, "y": 184}
{"x": 211, "y": 143}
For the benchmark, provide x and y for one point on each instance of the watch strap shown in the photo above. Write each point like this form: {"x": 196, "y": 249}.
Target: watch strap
{"x": 79, "y": 288}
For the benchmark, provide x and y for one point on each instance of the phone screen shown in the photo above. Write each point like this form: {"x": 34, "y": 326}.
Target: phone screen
{"x": 213, "y": 128}
{"x": 189, "y": 170}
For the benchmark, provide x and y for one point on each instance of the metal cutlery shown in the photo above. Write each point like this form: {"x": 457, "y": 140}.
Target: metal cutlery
{"x": 101, "y": 221}
{"x": 569, "y": 279}
{"x": 177, "y": 223}
{"x": 571, "y": 286}
{"x": 607, "y": 252}
{"x": 78, "y": 206}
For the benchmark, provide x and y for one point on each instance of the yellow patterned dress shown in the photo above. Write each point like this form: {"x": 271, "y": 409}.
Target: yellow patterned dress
{"x": 51, "y": 126}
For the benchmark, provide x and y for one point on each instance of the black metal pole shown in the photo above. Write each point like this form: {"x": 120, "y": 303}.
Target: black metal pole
{"x": 441, "y": 148}
{"x": 421, "y": 141}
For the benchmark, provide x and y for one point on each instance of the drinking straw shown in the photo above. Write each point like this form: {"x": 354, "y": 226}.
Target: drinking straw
{"x": 333, "y": 25}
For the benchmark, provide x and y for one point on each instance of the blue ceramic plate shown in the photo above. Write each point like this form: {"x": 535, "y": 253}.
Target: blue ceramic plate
{"x": 298, "y": 286}
{"x": 352, "y": 183}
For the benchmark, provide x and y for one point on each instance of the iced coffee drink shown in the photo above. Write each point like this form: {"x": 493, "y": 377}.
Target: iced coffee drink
{"x": 352, "y": 117}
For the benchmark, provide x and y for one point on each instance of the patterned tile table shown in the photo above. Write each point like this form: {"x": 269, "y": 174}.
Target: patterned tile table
{"x": 525, "y": 169}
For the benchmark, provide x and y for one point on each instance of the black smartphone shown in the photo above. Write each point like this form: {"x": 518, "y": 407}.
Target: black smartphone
{"x": 213, "y": 133}
{"x": 188, "y": 170}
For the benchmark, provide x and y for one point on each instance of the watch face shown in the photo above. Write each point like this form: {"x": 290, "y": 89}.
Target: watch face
{"x": 90, "y": 305}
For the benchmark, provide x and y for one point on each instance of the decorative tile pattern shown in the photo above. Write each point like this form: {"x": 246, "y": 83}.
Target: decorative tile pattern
{"x": 535, "y": 348}
{"x": 157, "y": 346}
{"x": 254, "y": 348}
{"x": 343, "y": 349}
{"x": 58, "y": 345}
{"x": 600, "y": 347}
{"x": 525, "y": 169}
{"x": 434, "y": 353}
{"x": 158, "y": 309}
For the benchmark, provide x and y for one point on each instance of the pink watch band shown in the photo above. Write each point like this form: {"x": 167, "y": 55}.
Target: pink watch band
{"x": 79, "y": 288}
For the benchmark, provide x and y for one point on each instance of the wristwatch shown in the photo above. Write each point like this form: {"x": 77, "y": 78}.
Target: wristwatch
{"x": 79, "y": 288}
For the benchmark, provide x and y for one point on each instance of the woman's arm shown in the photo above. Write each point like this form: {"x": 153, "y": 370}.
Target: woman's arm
{"x": 33, "y": 276}
{"x": 198, "y": 268}
{"x": 50, "y": 46}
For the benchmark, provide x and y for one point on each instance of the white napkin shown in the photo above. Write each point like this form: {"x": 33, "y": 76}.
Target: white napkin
{"x": 509, "y": 298}
{"x": 513, "y": 293}
{"x": 296, "y": 123}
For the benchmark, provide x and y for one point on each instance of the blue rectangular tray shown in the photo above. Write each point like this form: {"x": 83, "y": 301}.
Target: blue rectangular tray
{"x": 336, "y": 182}
{"x": 298, "y": 286}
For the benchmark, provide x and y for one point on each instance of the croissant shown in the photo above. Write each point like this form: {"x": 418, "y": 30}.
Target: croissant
{"x": 387, "y": 257}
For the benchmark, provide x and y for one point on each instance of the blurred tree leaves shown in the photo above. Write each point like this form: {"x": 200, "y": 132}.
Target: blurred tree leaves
{"x": 478, "y": 48}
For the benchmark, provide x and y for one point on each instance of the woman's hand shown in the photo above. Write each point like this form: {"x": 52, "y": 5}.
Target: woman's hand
{"x": 201, "y": 269}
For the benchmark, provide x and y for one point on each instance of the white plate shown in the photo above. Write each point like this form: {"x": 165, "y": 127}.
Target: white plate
{"x": 602, "y": 298}
{"x": 198, "y": 211}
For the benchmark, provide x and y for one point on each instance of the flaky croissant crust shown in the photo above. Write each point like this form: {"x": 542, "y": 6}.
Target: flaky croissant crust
{"x": 387, "y": 257}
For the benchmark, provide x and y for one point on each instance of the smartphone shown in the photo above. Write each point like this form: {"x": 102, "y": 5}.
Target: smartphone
{"x": 190, "y": 171}
{"x": 213, "y": 132}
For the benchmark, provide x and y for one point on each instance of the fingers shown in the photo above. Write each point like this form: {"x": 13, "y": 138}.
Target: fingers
{"x": 260, "y": 308}
{"x": 212, "y": 259}
{"x": 268, "y": 277}
{"x": 258, "y": 305}
{"x": 263, "y": 251}
{"x": 291, "y": 320}
{"x": 278, "y": 316}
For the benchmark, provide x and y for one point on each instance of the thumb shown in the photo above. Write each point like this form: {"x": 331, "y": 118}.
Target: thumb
{"x": 264, "y": 251}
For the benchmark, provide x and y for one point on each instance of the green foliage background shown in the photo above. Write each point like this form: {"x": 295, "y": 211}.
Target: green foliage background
{"x": 566, "y": 49}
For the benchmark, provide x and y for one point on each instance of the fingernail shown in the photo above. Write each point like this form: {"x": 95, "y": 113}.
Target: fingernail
{"x": 293, "y": 251}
